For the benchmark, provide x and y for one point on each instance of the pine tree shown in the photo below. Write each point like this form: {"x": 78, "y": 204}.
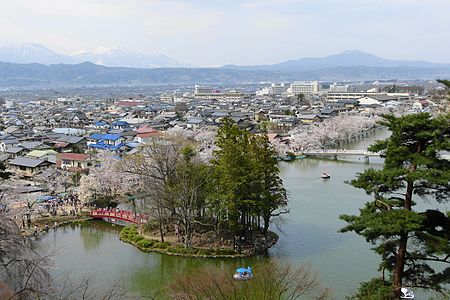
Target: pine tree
{"x": 246, "y": 180}
{"x": 270, "y": 194}
{"x": 406, "y": 239}
{"x": 232, "y": 165}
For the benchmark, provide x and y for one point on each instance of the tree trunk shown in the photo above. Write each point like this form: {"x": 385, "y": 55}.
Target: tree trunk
{"x": 187, "y": 235}
{"x": 266, "y": 220}
{"x": 401, "y": 253}
{"x": 160, "y": 224}
{"x": 400, "y": 264}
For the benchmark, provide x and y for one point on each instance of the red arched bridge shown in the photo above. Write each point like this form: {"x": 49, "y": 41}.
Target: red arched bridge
{"x": 124, "y": 215}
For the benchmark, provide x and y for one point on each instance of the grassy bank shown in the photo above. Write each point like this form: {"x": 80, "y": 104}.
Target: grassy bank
{"x": 53, "y": 222}
{"x": 131, "y": 235}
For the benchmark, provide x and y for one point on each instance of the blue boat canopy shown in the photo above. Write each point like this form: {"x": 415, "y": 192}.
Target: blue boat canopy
{"x": 244, "y": 270}
{"x": 41, "y": 199}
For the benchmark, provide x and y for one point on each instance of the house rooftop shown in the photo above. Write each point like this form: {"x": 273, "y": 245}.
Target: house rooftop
{"x": 26, "y": 162}
{"x": 40, "y": 153}
{"x": 105, "y": 136}
{"x": 70, "y": 139}
{"x": 73, "y": 156}
{"x": 13, "y": 150}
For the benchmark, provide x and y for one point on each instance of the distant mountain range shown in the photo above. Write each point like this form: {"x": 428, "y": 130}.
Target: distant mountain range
{"x": 56, "y": 70}
{"x": 350, "y": 58}
{"x": 89, "y": 74}
{"x": 111, "y": 57}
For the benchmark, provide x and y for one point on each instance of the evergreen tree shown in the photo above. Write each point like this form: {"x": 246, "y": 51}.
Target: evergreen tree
{"x": 270, "y": 194}
{"x": 232, "y": 174}
{"x": 246, "y": 180}
{"x": 444, "y": 82}
{"x": 406, "y": 239}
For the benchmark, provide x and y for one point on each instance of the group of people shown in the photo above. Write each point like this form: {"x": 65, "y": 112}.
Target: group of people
{"x": 65, "y": 205}
{"x": 71, "y": 201}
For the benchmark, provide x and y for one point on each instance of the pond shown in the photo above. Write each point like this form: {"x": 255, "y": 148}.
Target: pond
{"x": 308, "y": 234}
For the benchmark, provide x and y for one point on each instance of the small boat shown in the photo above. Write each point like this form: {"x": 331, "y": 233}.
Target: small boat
{"x": 286, "y": 158}
{"x": 406, "y": 293}
{"x": 325, "y": 175}
{"x": 243, "y": 274}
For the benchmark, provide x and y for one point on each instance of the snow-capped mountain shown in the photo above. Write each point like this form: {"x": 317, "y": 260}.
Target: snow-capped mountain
{"x": 122, "y": 57}
{"x": 111, "y": 57}
{"x": 33, "y": 53}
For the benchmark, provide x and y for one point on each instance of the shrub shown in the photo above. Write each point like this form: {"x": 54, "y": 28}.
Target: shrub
{"x": 144, "y": 243}
{"x": 137, "y": 238}
{"x": 224, "y": 252}
{"x": 163, "y": 245}
{"x": 205, "y": 251}
{"x": 375, "y": 289}
{"x": 172, "y": 249}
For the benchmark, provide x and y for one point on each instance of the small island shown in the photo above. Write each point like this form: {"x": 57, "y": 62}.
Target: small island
{"x": 219, "y": 205}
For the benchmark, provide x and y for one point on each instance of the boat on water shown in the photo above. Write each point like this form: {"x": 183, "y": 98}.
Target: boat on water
{"x": 243, "y": 274}
{"x": 406, "y": 293}
{"x": 286, "y": 158}
{"x": 325, "y": 175}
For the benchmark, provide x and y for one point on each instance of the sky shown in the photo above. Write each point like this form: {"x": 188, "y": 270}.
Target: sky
{"x": 218, "y": 32}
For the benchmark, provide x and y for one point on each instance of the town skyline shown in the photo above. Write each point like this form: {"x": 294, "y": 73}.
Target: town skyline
{"x": 233, "y": 32}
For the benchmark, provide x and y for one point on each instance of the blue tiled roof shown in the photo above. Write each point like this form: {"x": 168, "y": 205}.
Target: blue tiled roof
{"x": 105, "y": 136}
{"x": 103, "y": 146}
{"x": 100, "y": 123}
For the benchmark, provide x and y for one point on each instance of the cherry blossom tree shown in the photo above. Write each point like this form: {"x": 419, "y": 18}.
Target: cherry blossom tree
{"x": 204, "y": 139}
{"x": 106, "y": 180}
{"x": 331, "y": 132}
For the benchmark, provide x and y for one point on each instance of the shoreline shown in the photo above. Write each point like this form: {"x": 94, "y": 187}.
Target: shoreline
{"x": 29, "y": 232}
{"x": 130, "y": 235}
{"x": 163, "y": 251}
{"x": 194, "y": 252}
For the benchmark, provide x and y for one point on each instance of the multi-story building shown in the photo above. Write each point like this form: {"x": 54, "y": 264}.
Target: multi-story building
{"x": 336, "y": 96}
{"x": 202, "y": 90}
{"x": 169, "y": 98}
{"x": 209, "y": 93}
{"x": 338, "y": 88}
{"x": 304, "y": 87}
{"x": 278, "y": 89}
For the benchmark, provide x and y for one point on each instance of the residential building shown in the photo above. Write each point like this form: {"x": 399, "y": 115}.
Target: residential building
{"x": 105, "y": 141}
{"x": 74, "y": 161}
{"x": 309, "y": 118}
{"x": 26, "y": 166}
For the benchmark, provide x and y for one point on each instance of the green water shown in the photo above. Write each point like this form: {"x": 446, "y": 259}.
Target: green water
{"x": 308, "y": 235}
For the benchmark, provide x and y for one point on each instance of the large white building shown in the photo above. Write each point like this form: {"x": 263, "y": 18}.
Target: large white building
{"x": 338, "y": 88}
{"x": 336, "y": 96}
{"x": 210, "y": 93}
{"x": 304, "y": 87}
{"x": 203, "y": 90}
{"x": 278, "y": 89}
{"x": 275, "y": 89}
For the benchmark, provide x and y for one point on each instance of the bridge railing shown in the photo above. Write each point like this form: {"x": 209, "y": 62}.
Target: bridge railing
{"x": 121, "y": 214}
{"x": 340, "y": 151}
